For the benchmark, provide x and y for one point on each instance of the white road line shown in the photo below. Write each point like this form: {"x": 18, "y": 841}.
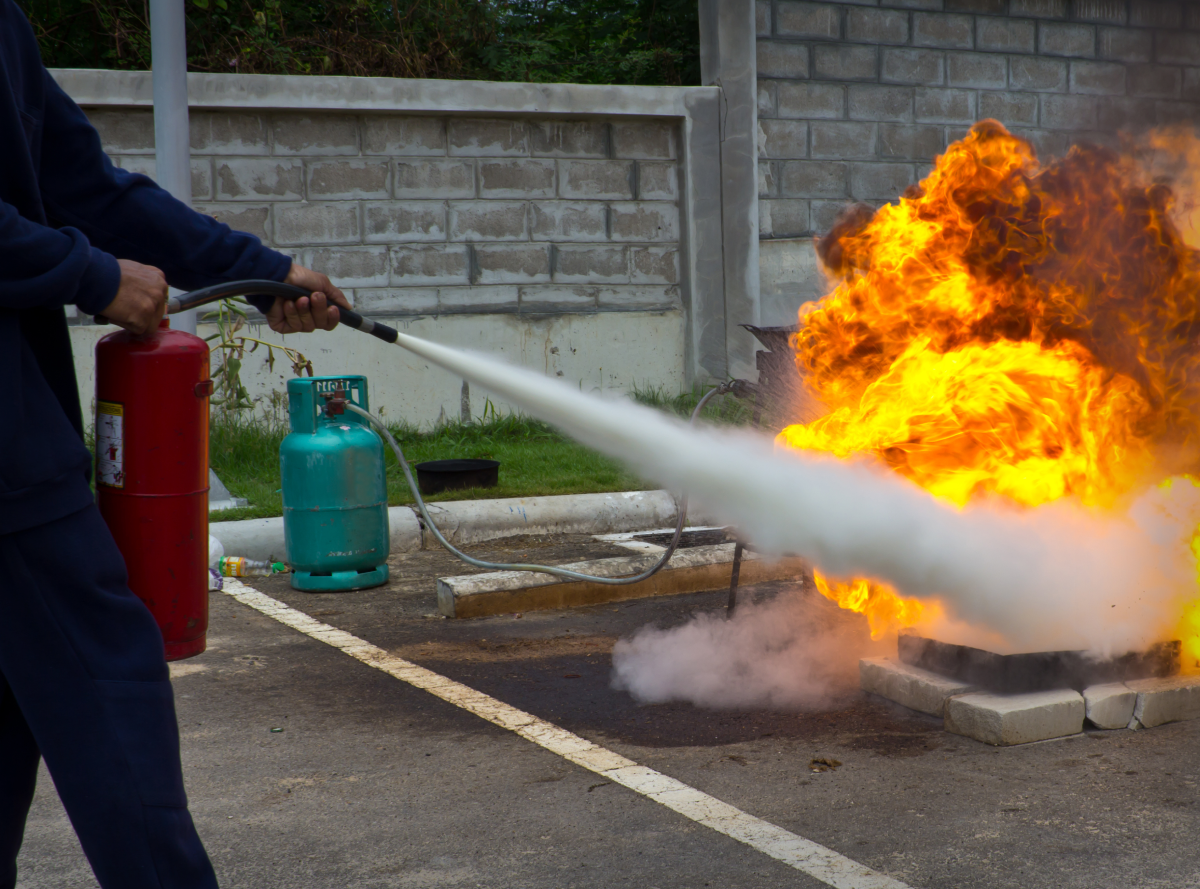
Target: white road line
{"x": 813, "y": 859}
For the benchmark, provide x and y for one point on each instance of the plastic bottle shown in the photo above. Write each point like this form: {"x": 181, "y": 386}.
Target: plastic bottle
{"x": 237, "y": 566}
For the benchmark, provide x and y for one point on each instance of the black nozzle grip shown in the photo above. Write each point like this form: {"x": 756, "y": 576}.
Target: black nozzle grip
{"x": 273, "y": 288}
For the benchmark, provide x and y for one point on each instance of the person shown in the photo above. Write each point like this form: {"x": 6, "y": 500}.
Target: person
{"x": 83, "y": 683}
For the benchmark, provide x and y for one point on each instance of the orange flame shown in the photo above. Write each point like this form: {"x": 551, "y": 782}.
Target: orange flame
{"x": 1008, "y": 329}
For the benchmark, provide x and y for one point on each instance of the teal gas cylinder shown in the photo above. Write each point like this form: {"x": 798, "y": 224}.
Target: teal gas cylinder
{"x": 335, "y": 519}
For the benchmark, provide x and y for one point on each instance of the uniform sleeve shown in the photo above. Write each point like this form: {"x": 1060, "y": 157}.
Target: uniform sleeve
{"x": 129, "y": 216}
{"x": 43, "y": 267}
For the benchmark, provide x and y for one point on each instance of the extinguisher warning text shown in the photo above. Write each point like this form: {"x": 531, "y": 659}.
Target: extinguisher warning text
{"x": 110, "y": 444}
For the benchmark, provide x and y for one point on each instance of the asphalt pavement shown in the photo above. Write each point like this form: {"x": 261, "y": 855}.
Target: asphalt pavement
{"x": 307, "y": 769}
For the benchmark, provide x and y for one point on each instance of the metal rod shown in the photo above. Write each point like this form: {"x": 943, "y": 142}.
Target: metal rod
{"x": 172, "y": 144}
{"x": 733, "y": 579}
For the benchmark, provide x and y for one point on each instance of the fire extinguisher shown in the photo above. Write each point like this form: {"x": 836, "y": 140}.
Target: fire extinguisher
{"x": 152, "y": 463}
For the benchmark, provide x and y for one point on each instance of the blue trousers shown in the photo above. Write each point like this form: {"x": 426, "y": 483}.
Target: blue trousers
{"x": 83, "y": 683}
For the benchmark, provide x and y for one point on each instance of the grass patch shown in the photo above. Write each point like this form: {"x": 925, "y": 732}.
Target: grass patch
{"x": 535, "y": 459}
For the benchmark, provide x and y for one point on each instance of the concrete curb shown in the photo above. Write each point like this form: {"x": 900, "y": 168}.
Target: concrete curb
{"x": 689, "y": 571}
{"x": 473, "y": 521}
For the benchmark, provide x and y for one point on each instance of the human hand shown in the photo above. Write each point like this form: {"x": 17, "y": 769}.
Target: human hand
{"x": 308, "y": 313}
{"x": 141, "y": 298}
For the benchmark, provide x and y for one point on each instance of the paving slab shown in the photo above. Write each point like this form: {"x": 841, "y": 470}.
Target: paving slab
{"x": 910, "y": 686}
{"x": 1160, "y": 701}
{"x": 1109, "y": 706}
{"x": 1006, "y": 720}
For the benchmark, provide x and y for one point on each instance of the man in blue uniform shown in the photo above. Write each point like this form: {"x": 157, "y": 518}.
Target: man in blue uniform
{"x": 82, "y": 677}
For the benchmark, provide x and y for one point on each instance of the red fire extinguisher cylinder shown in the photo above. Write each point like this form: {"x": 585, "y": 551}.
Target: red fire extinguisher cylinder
{"x": 152, "y": 473}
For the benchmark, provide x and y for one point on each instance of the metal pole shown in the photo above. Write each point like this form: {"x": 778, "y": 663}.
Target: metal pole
{"x": 172, "y": 146}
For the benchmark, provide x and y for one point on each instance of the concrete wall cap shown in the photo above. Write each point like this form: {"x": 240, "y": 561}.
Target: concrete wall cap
{"x": 96, "y": 87}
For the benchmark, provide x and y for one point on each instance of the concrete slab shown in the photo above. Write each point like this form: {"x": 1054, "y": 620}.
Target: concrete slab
{"x": 910, "y": 686}
{"x": 688, "y": 571}
{"x": 1109, "y": 705}
{"x": 1005, "y": 720}
{"x": 1159, "y": 701}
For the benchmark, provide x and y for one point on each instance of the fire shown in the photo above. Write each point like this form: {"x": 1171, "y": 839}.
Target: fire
{"x": 1013, "y": 330}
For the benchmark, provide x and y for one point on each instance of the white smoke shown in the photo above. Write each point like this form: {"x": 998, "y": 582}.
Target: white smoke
{"x": 1054, "y": 577}
{"x": 794, "y": 651}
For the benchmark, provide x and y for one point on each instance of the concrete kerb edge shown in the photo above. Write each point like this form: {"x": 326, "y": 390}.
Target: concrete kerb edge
{"x": 473, "y": 521}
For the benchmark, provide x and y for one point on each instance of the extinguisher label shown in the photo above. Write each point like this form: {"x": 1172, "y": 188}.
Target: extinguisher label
{"x": 110, "y": 444}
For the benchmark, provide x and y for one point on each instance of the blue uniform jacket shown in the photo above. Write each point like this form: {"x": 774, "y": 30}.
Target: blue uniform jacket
{"x": 66, "y": 215}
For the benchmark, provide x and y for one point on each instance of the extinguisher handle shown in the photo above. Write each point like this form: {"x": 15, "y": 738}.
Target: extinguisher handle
{"x": 273, "y": 288}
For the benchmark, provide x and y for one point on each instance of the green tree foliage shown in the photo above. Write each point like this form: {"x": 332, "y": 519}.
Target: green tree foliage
{"x": 578, "y": 41}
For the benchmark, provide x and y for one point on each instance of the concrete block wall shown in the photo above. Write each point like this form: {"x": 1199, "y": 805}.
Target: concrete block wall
{"x": 856, "y": 99}
{"x": 433, "y": 215}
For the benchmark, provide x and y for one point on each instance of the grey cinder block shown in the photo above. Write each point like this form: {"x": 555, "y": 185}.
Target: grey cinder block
{"x": 496, "y": 298}
{"x": 443, "y": 179}
{"x": 1005, "y": 35}
{"x": 302, "y": 224}
{"x": 215, "y": 132}
{"x": 909, "y": 686}
{"x": 944, "y": 106}
{"x": 1098, "y": 78}
{"x": 842, "y": 62}
{"x": 977, "y": 69}
{"x": 916, "y": 142}
{"x": 1125, "y": 44}
{"x": 259, "y": 179}
{"x": 945, "y": 31}
{"x": 1068, "y": 112}
{"x": 393, "y": 222}
{"x": 840, "y": 140}
{"x": 812, "y": 100}
{"x": 783, "y": 218}
{"x": 516, "y": 178}
{"x": 396, "y": 301}
{"x": 809, "y": 179}
{"x": 638, "y": 299}
{"x": 1011, "y": 109}
{"x": 775, "y": 59}
{"x": 350, "y": 266}
{"x": 644, "y": 221}
{"x": 1056, "y": 39}
{"x": 314, "y": 135}
{"x": 1038, "y": 75}
{"x": 123, "y": 132}
{"x": 429, "y": 264}
{"x": 597, "y": 180}
{"x": 880, "y": 181}
{"x": 241, "y": 217}
{"x": 472, "y": 137}
{"x": 349, "y": 179}
{"x": 596, "y": 265}
{"x": 881, "y": 26}
{"x": 569, "y": 139}
{"x": 659, "y": 181}
{"x": 654, "y": 265}
{"x": 645, "y": 140}
{"x": 512, "y": 264}
{"x": 1155, "y": 81}
{"x": 568, "y": 221}
{"x": 924, "y": 67}
{"x": 779, "y": 139}
{"x": 881, "y": 103}
{"x": 396, "y": 136}
{"x": 820, "y": 20}
{"x": 488, "y": 221}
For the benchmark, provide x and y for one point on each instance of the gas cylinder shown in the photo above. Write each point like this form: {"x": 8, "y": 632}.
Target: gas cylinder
{"x": 152, "y": 473}
{"x": 335, "y": 519}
